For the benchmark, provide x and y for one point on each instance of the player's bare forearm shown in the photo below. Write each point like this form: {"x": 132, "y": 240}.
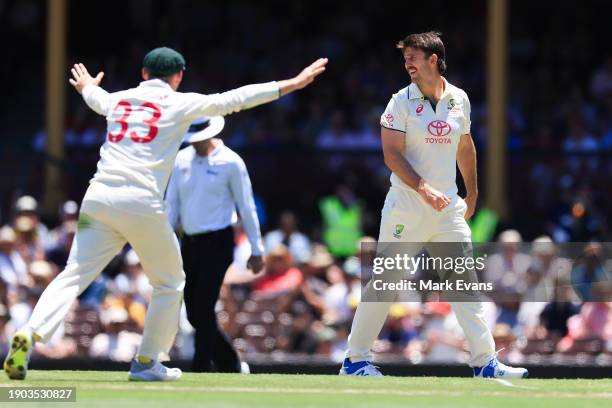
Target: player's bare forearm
{"x": 394, "y": 144}
{"x": 396, "y": 162}
{"x": 304, "y": 78}
{"x": 466, "y": 160}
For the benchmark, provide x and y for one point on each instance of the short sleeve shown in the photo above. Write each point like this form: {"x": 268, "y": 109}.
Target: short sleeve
{"x": 394, "y": 116}
{"x": 467, "y": 122}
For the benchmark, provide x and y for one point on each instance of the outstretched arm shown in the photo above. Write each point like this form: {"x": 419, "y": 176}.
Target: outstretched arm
{"x": 249, "y": 96}
{"x": 95, "y": 97}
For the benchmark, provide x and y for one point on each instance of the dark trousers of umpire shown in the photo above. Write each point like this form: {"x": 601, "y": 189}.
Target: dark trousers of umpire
{"x": 206, "y": 258}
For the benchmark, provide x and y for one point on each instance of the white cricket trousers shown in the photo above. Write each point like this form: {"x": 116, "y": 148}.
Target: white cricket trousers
{"x": 406, "y": 218}
{"x": 110, "y": 217}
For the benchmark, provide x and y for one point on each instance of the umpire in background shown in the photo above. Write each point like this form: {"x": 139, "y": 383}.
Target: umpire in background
{"x": 208, "y": 182}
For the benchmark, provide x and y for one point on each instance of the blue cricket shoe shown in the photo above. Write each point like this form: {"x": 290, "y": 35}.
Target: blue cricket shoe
{"x": 361, "y": 368}
{"x": 495, "y": 369}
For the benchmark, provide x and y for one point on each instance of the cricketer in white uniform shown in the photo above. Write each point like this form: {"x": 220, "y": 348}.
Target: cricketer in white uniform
{"x": 124, "y": 202}
{"x": 425, "y": 131}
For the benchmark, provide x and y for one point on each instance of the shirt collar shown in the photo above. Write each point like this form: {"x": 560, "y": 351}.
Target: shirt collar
{"x": 415, "y": 93}
{"x": 220, "y": 146}
{"x": 216, "y": 150}
{"x": 155, "y": 83}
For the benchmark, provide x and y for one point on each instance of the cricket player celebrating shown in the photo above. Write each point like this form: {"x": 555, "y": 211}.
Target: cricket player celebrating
{"x": 425, "y": 132}
{"x": 124, "y": 202}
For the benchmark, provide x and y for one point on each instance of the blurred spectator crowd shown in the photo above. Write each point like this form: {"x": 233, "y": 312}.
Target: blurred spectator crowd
{"x": 547, "y": 308}
{"x": 559, "y": 97}
{"x": 320, "y": 148}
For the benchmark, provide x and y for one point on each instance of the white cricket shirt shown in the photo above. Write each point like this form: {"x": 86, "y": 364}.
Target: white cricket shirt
{"x": 204, "y": 191}
{"x": 146, "y": 124}
{"x": 432, "y": 136}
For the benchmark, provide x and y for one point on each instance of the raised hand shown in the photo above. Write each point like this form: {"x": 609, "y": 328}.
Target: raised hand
{"x": 304, "y": 78}
{"x": 81, "y": 78}
{"x": 309, "y": 73}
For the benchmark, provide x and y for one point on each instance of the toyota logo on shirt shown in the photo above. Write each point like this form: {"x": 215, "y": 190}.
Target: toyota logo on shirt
{"x": 438, "y": 128}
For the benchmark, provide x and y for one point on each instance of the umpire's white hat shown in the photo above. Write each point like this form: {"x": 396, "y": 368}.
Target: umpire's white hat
{"x": 204, "y": 128}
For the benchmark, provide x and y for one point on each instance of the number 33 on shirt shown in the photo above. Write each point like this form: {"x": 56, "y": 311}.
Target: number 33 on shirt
{"x": 128, "y": 109}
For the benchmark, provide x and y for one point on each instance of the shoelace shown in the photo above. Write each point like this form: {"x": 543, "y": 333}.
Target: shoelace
{"x": 159, "y": 368}
{"x": 371, "y": 365}
{"x": 375, "y": 367}
{"x": 496, "y": 361}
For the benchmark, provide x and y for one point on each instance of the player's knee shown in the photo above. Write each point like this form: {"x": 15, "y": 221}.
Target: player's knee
{"x": 169, "y": 284}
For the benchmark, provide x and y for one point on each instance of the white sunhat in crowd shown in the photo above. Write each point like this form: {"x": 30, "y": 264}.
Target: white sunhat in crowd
{"x": 7, "y": 234}
{"x": 543, "y": 245}
{"x": 26, "y": 203}
{"x": 69, "y": 207}
{"x": 510, "y": 237}
{"x": 204, "y": 128}
{"x": 114, "y": 314}
{"x": 41, "y": 269}
{"x": 131, "y": 258}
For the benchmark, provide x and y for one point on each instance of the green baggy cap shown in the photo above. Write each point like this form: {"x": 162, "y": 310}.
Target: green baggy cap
{"x": 163, "y": 61}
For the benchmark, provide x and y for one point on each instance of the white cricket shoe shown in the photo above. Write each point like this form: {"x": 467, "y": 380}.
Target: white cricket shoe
{"x": 496, "y": 369}
{"x": 153, "y": 371}
{"x": 18, "y": 357}
{"x": 245, "y": 368}
{"x": 361, "y": 368}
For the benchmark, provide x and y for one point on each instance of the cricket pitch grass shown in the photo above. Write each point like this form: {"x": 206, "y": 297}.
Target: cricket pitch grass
{"x": 112, "y": 390}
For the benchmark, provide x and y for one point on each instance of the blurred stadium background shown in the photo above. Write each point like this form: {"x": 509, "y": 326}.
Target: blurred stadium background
{"x": 539, "y": 76}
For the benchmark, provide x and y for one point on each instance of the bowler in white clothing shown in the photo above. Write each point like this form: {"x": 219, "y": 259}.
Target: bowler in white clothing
{"x": 208, "y": 183}
{"x": 425, "y": 133}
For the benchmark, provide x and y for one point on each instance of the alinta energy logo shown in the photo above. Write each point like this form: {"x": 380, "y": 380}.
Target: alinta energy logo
{"x": 439, "y": 129}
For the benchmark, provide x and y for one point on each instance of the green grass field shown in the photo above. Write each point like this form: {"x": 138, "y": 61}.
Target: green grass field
{"x": 111, "y": 389}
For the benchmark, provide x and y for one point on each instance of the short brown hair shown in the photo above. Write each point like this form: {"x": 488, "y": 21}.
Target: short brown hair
{"x": 430, "y": 43}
